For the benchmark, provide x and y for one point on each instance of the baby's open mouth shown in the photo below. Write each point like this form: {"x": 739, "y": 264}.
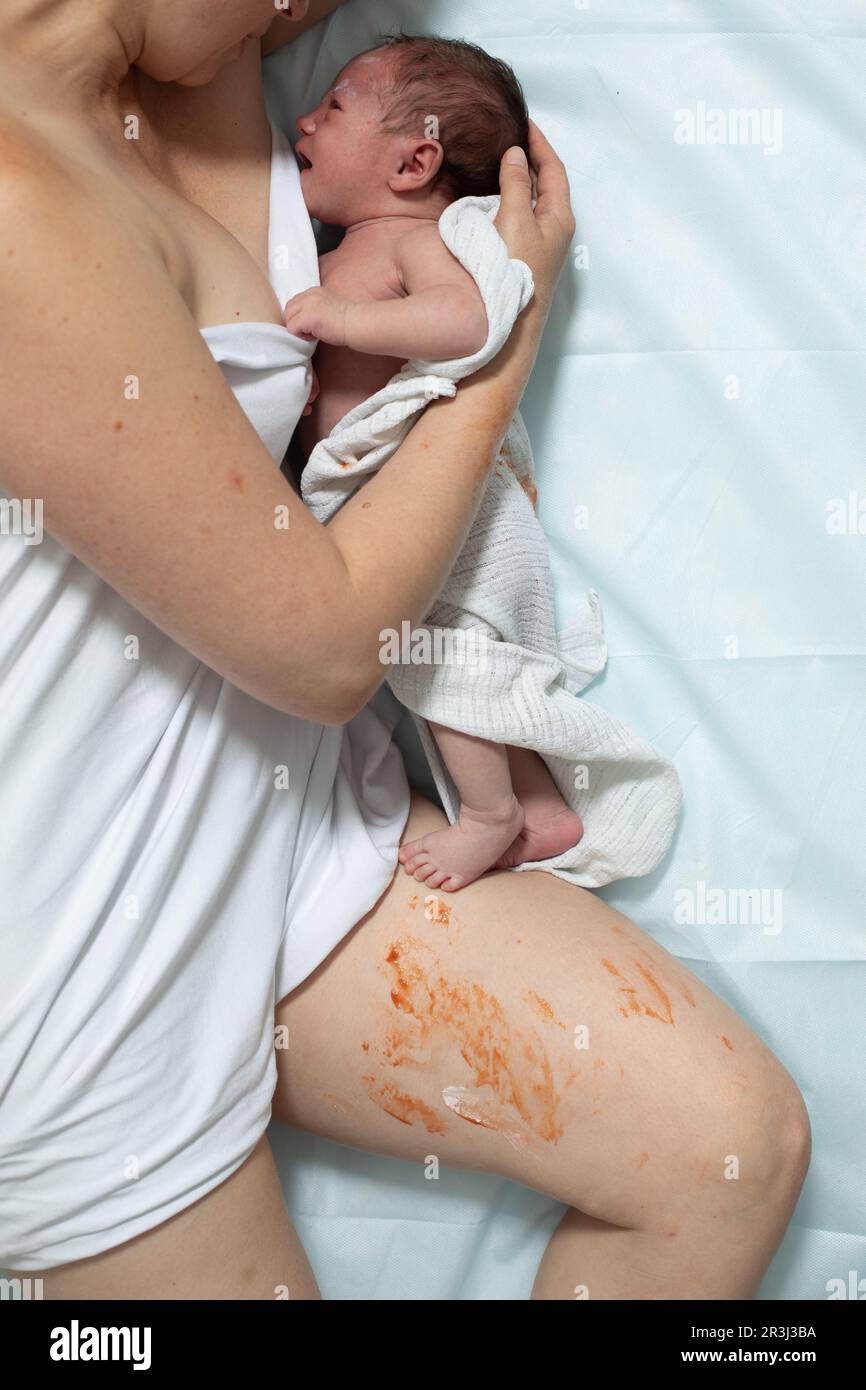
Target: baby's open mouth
{"x": 305, "y": 163}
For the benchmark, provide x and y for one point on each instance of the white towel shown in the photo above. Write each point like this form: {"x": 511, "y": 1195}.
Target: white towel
{"x": 519, "y": 680}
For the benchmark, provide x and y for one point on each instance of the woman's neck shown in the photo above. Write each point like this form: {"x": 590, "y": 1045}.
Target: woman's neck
{"x": 66, "y": 55}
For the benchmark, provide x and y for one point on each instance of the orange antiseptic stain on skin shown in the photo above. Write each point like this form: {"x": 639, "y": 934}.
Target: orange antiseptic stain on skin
{"x": 118, "y": 424}
{"x": 413, "y": 902}
{"x": 688, "y": 996}
{"x": 511, "y": 1078}
{"x": 619, "y": 931}
{"x": 644, "y": 1158}
{"x": 409, "y": 979}
{"x": 635, "y": 1004}
{"x": 542, "y": 1007}
{"x": 435, "y": 910}
{"x": 365, "y": 1046}
{"x": 632, "y": 1005}
{"x": 728, "y": 1045}
{"x": 407, "y": 1109}
{"x": 663, "y": 1002}
{"x": 236, "y": 481}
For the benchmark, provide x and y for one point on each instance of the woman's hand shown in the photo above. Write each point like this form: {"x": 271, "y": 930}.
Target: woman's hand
{"x": 541, "y": 237}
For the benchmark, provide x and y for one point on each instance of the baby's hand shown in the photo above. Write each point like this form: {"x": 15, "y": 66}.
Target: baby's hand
{"x": 318, "y": 313}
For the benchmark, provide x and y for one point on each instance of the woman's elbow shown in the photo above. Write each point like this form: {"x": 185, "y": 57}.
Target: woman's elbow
{"x": 339, "y": 696}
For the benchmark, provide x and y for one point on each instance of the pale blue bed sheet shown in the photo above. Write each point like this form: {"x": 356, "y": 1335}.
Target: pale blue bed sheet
{"x": 700, "y": 394}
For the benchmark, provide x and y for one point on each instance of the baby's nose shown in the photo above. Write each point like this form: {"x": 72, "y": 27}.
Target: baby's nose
{"x": 306, "y": 124}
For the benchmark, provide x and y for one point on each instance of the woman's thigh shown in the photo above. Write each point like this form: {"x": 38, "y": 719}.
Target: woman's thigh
{"x": 235, "y": 1243}
{"x": 524, "y": 1026}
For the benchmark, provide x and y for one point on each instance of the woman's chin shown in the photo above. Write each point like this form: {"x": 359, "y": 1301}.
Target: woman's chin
{"x": 212, "y": 67}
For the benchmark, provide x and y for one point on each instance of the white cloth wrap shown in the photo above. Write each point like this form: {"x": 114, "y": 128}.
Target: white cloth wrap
{"x": 519, "y": 684}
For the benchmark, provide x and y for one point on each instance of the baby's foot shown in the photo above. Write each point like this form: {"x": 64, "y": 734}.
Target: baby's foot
{"x": 449, "y": 859}
{"x": 543, "y": 836}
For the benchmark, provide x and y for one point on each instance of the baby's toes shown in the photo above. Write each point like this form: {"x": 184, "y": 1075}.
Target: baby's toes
{"x": 452, "y": 883}
{"x": 437, "y": 879}
{"x": 409, "y": 854}
{"x": 423, "y": 869}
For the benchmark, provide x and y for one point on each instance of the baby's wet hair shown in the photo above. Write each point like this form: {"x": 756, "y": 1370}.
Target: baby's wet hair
{"x": 475, "y": 100}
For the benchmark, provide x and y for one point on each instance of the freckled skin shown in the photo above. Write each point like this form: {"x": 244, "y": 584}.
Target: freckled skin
{"x": 728, "y": 1045}
{"x": 236, "y": 482}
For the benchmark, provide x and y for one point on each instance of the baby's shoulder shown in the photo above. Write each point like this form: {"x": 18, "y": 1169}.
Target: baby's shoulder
{"x": 421, "y": 253}
{"x": 422, "y": 234}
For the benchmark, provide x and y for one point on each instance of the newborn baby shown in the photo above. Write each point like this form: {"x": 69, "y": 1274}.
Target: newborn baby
{"x": 406, "y": 129}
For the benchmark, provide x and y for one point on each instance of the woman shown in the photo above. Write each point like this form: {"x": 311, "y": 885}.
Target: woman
{"x": 179, "y": 658}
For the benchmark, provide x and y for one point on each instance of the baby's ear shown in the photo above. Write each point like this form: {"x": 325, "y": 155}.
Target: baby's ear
{"x": 418, "y": 162}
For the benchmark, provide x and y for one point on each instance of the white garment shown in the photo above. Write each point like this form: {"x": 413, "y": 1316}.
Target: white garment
{"x": 159, "y": 892}
{"x": 511, "y": 677}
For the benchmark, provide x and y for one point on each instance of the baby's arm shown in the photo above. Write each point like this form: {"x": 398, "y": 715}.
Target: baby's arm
{"x": 440, "y": 316}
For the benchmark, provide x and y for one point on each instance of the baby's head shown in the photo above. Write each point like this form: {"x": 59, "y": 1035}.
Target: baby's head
{"x": 408, "y": 127}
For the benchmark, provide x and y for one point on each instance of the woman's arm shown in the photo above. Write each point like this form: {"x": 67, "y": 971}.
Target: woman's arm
{"x": 172, "y": 498}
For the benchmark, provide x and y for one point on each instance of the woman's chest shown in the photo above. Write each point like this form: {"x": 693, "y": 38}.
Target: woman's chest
{"x": 206, "y": 171}
{"x": 218, "y": 253}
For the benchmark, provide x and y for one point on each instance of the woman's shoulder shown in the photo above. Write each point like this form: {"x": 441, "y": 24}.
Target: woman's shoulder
{"x": 51, "y": 192}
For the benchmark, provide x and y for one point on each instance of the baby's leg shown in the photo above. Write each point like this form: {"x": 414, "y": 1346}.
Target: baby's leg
{"x": 490, "y": 815}
{"x": 549, "y": 827}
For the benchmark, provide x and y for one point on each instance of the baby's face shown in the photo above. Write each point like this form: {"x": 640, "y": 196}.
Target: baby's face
{"x": 345, "y": 153}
